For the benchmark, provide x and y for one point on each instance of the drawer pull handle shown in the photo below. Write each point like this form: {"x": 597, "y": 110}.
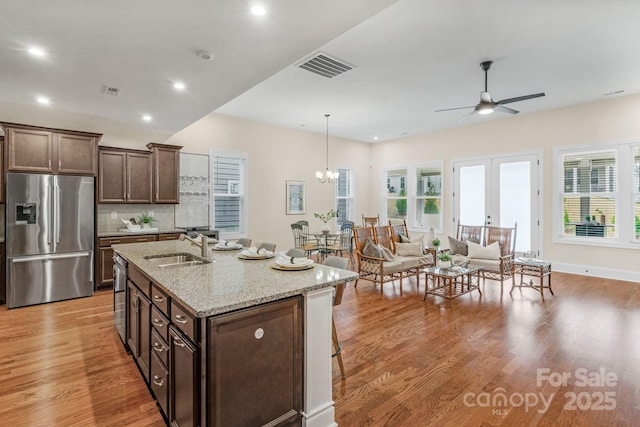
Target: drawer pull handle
{"x": 158, "y": 298}
{"x": 181, "y": 319}
{"x": 115, "y": 241}
{"x": 158, "y": 347}
{"x": 179, "y": 343}
{"x": 259, "y": 333}
{"x": 158, "y": 381}
{"x": 158, "y": 323}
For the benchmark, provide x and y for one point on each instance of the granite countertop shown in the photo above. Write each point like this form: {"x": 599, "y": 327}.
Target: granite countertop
{"x": 227, "y": 283}
{"x": 119, "y": 232}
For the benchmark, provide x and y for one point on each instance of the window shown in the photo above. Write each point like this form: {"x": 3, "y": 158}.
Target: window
{"x": 345, "y": 203}
{"x": 599, "y": 197}
{"x": 414, "y": 193}
{"x": 589, "y": 198}
{"x": 228, "y": 178}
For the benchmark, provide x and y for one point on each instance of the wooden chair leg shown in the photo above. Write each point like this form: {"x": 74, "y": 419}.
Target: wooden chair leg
{"x": 337, "y": 346}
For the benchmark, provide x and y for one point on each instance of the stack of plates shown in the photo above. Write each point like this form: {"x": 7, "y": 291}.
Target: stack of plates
{"x": 248, "y": 254}
{"x": 286, "y": 264}
{"x": 229, "y": 247}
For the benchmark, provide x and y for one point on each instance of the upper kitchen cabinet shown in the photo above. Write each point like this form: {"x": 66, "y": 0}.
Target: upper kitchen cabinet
{"x": 44, "y": 150}
{"x": 166, "y": 173}
{"x": 125, "y": 176}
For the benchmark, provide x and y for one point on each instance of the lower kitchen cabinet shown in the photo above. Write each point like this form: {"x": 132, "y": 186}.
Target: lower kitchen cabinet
{"x": 139, "y": 327}
{"x": 184, "y": 380}
{"x": 3, "y": 287}
{"x": 242, "y": 368}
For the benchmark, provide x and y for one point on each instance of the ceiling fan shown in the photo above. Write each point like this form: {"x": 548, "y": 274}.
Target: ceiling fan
{"x": 487, "y": 105}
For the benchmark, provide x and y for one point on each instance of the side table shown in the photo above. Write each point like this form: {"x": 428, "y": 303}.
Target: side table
{"x": 534, "y": 268}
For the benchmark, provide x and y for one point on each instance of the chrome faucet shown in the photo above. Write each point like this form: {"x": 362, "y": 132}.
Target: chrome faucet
{"x": 203, "y": 243}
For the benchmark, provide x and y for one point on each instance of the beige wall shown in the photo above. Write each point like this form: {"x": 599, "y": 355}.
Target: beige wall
{"x": 606, "y": 121}
{"x": 278, "y": 154}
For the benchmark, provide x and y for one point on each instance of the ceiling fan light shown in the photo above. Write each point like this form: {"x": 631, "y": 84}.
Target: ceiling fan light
{"x": 485, "y": 109}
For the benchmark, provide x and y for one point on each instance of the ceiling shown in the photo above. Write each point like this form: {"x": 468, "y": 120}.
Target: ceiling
{"x": 410, "y": 58}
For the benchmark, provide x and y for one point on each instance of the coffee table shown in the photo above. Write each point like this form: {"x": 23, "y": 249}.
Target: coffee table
{"x": 451, "y": 282}
{"x": 535, "y": 268}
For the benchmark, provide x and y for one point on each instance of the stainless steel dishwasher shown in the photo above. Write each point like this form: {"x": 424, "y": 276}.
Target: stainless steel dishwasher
{"x": 120, "y": 296}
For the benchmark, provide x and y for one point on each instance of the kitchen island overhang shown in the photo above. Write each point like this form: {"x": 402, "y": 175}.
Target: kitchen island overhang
{"x": 228, "y": 285}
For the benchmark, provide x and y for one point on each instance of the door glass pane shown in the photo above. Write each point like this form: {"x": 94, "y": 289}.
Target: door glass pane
{"x": 472, "y": 195}
{"x": 515, "y": 201}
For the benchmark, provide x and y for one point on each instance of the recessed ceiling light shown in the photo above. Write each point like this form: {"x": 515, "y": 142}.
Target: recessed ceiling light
{"x": 36, "y": 51}
{"x": 179, "y": 86}
{"x": 43, "y": 100}
{"x": 258, "y": 10}
{"x": 375, "y": 138}
{"x": 204, "y": 55}
{"x": 147, "y": 118}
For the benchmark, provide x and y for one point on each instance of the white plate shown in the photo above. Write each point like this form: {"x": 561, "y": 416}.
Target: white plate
{"x": 227, "y": 248}
{"x": 243, "y": 256}
{"x": 293, "y": 267}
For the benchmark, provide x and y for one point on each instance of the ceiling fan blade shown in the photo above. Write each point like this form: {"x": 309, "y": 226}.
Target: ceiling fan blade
{"x": 507, "y": 110}
{"x": 520, "y": 98}
{"x": 456, "y": 108}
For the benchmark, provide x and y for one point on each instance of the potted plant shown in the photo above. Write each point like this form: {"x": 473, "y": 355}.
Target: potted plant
{"x": 146, "y": 220}
{"x": 325, "y": 217}
{"x": 435, "y": 242}
{"x": 444, "y": 260}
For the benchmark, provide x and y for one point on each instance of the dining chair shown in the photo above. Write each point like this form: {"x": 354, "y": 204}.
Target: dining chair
{"x": 301, "y": 239}
{"x": 271, "y": 247}
{"x": 370, "y": 221}
{"x": 244, "y": 241}
{"x": 343, "y": 263}
{"x": 343, "y": 241}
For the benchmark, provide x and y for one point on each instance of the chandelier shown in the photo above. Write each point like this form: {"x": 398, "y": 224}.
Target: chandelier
{"x": 327, "y": 176}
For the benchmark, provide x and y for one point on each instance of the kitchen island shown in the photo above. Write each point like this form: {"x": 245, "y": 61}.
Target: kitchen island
{"x": 231, "y": 342}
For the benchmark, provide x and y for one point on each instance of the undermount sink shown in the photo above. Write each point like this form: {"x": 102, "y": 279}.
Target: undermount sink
{"x": 175, "y": 260}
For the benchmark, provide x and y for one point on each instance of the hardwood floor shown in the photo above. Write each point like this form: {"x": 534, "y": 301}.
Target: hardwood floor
{"x": 408, "y": 362}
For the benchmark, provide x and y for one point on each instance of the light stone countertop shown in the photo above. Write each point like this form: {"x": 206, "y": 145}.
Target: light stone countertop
{"x": 227, "y": 283}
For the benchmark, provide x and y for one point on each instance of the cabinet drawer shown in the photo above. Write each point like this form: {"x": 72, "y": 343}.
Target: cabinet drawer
{"x": 169, "y": 236}
{"x": 159, "y": 346}
{"x": 159, "y": 383}
{"x": 141, "y": 281}
{"x": 160, "y": 322}
{"x": 184, "y": 321}
{"x": 108, "y": 241}
{"x": 160, "y": 299}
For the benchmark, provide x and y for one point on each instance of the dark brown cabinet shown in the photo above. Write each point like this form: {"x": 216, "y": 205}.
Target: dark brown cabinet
{"x": 184, "y": 381}
{"x": 124, "y": 176}
{"x": 105, "y": 257}
{"x": 166, "y": 173}
{"x": 2, "y": 176}
{"x": 254, "y": 358}
{"x": 2, "y": 283}
{"x": 44, "y": 150}
{"x": 139, "y": 320}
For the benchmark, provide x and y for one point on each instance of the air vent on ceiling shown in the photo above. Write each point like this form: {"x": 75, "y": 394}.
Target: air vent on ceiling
{"x": 110, "y": 90}
{"x": 324, "y": 65}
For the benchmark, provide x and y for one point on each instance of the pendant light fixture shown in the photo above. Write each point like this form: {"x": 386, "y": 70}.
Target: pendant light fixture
{"x": 327, "y": 176}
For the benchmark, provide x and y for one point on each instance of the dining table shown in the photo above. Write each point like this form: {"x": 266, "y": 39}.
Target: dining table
{"x": 324, "y": 240}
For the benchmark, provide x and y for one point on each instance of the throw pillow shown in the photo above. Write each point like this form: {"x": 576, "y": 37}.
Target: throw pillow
{"x": 457, "y": 247}
{"x": 415, "y": 239}
{"x": 483, "y": 252}
{"x": 404, "y": 239}
{"x": 371, "y": 249}
{"x": 409, "y": 249}
{"x": 386, "y": 253}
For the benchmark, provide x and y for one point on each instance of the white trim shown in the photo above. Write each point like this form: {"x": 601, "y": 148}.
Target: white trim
{"x": 244, "y": 192}
{"x": 604, "y": 273}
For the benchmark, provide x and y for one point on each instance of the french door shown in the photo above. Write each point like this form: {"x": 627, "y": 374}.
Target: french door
{"x": 500, "y": 191}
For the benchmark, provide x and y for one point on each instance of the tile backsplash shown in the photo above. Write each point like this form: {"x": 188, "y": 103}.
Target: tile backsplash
{"x": 164, "y": 215}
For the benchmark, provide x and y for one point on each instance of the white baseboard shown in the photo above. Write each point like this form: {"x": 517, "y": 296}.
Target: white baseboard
{"x": 605, "y": 273}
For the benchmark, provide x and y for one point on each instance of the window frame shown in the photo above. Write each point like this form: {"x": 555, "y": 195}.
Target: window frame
{"x": 411, "y": 196}
{"x": 242, "y": 194}
{"x": 350, "y": 198}
{"x": 624, "y": 195}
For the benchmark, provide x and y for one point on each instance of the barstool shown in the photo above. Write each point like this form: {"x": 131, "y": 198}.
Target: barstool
{"x": 343, "y": 263}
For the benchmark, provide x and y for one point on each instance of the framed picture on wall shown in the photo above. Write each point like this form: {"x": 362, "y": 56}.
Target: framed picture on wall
{"x": 296, "y": 194}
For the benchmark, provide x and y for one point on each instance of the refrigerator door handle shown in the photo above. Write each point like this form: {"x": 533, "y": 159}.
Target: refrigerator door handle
{"x": 45, "y": 257}
{"x": 50, "y": 230}
{"x": 56, "y": 211}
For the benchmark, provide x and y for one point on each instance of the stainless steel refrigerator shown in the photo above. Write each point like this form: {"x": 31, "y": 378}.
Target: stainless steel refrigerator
{"x": 49, "y": 238}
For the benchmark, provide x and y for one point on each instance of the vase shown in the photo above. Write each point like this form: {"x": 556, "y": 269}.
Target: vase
{"x": 444, "y": 264}
{"x": 146, "y": 225}
{"x": 325, "y": 228}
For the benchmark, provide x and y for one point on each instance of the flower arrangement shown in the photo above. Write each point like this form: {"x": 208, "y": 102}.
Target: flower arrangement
{"x": 324, "y": 217}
